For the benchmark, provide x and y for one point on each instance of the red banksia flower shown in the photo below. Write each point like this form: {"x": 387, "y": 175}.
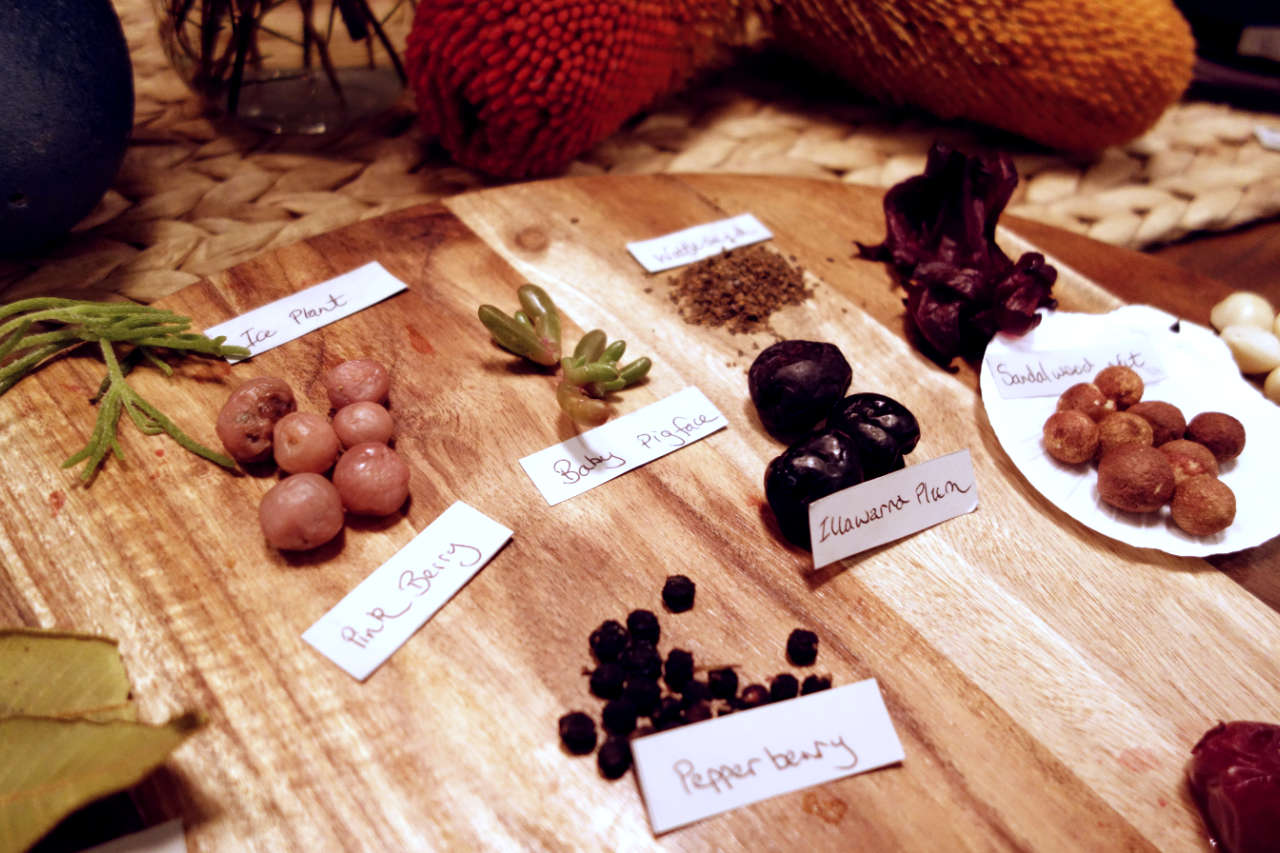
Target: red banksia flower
{"x": 519, "y": 88}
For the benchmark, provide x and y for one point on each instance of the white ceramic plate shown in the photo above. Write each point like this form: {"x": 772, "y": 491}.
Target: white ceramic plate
{"x": 1200, "y": 375}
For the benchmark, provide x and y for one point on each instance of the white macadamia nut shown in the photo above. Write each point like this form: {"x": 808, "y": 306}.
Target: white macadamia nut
{"x": 1256, "y": 350}
{"x": 1271, "y": 387}
{"x": 1243, "y": 308}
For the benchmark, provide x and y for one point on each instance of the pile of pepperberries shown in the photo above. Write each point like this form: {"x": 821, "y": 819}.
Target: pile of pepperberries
{"x": 798, "y": 388}
{"x": 637, "y": 684}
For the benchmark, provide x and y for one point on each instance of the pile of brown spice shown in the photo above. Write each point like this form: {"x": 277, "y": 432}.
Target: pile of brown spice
{"x": 739, "y": 288}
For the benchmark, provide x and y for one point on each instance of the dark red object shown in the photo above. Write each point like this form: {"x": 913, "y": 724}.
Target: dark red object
{"x": 1235, "y": 778}
{"x": 961, "y": 287}
{"x": 519, "y": 89}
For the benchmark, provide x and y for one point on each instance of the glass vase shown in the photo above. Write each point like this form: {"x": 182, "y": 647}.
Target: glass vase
{"x": 289, "y": 66}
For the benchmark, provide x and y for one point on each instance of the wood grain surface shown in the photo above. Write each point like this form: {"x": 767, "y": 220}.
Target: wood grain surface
{"x": 1047, "y": 683}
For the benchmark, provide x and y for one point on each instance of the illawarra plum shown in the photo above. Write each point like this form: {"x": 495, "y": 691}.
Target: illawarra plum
{"x": 882, "y": 429}
{"x": 819, "y": 464}
{"x": 794, "y": 383}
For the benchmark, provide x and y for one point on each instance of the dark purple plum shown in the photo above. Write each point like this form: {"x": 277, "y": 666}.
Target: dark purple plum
{"x": 794, "y": 383}
{"x": 819, "y": 464}
{"x": 882, "y": 429}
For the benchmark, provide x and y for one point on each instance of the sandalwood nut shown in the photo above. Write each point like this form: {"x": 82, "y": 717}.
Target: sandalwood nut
{"x": 1167, "y": 421}
{"x": 1203, "y": 505}
{"x": 1121, "y": 384}
{"x": 1120, "y": 428}
{"x": 1087, "y": 398}
{"x": 1135, "y": 478}
{"x": 1218, "y": 431}
{"x": 1189, "y": 459}
{"x": 1070, "y": 436}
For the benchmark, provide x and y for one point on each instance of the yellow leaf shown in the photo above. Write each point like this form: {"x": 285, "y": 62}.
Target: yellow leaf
{"x": 56, "y": 674}
{"x": 50, "y": 767}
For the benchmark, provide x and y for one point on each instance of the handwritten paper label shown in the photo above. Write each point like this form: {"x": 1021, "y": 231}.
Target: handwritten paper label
{"x": 1269, "y": 137}
{"x": 284, "y": 320}
{"x": 1047, "y": 373}
{"x": 892, "y": 506}
{"x": 597, "y": 456}
{"x": 166, "y": 837}
{"x": 706, "y": 768}
{"x": 398, "y": 598}
{"x": 698, "y": 242}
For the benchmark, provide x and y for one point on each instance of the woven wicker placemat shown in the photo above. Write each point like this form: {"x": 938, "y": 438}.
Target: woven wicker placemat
{"x": 196, "y": 195}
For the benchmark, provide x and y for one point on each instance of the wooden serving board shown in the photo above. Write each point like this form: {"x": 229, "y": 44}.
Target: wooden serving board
{"x": 1047, "y": 684}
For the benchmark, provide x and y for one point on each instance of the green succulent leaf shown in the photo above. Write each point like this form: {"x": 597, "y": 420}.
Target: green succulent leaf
{"x": 583, "y": 409}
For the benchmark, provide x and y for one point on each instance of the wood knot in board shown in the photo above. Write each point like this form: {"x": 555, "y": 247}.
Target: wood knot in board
{"x": 830, "y": 809}
{"x": 532, "y": 239}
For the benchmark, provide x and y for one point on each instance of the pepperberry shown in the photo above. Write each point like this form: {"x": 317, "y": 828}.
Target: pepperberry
{"x": 679, "y": 668}
{"x": 668, "y": 714}
{"x": 695, "y": 691}
{"x": 723, "y": 683}
{"x": 642, "y": 659}
{"x": 753, "y": 696}
{"x": 578, "y": 732}
{"x": 614, "y": 758}
{"x": 644, "y": 694}
{"x": 677, "y": 593}
{"x": 619, "y": 716}
{"x": 697, "y": 712}
{"x": 814, "y": 683}
{"x": 783, "y": 686}
{"x": 643, "y": 625}
{"x": 606, "y": 680}
{"x": 802, "y": 647}
{"x": 608, "y": 641}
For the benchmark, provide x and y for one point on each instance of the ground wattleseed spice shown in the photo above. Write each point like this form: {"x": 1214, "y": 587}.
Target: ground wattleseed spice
{"x": 739, "y": 288}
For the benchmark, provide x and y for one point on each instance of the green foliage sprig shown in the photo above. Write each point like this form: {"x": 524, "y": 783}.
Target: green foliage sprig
{"x": 34, "y": 330}
{"x": 589, "y": 376}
